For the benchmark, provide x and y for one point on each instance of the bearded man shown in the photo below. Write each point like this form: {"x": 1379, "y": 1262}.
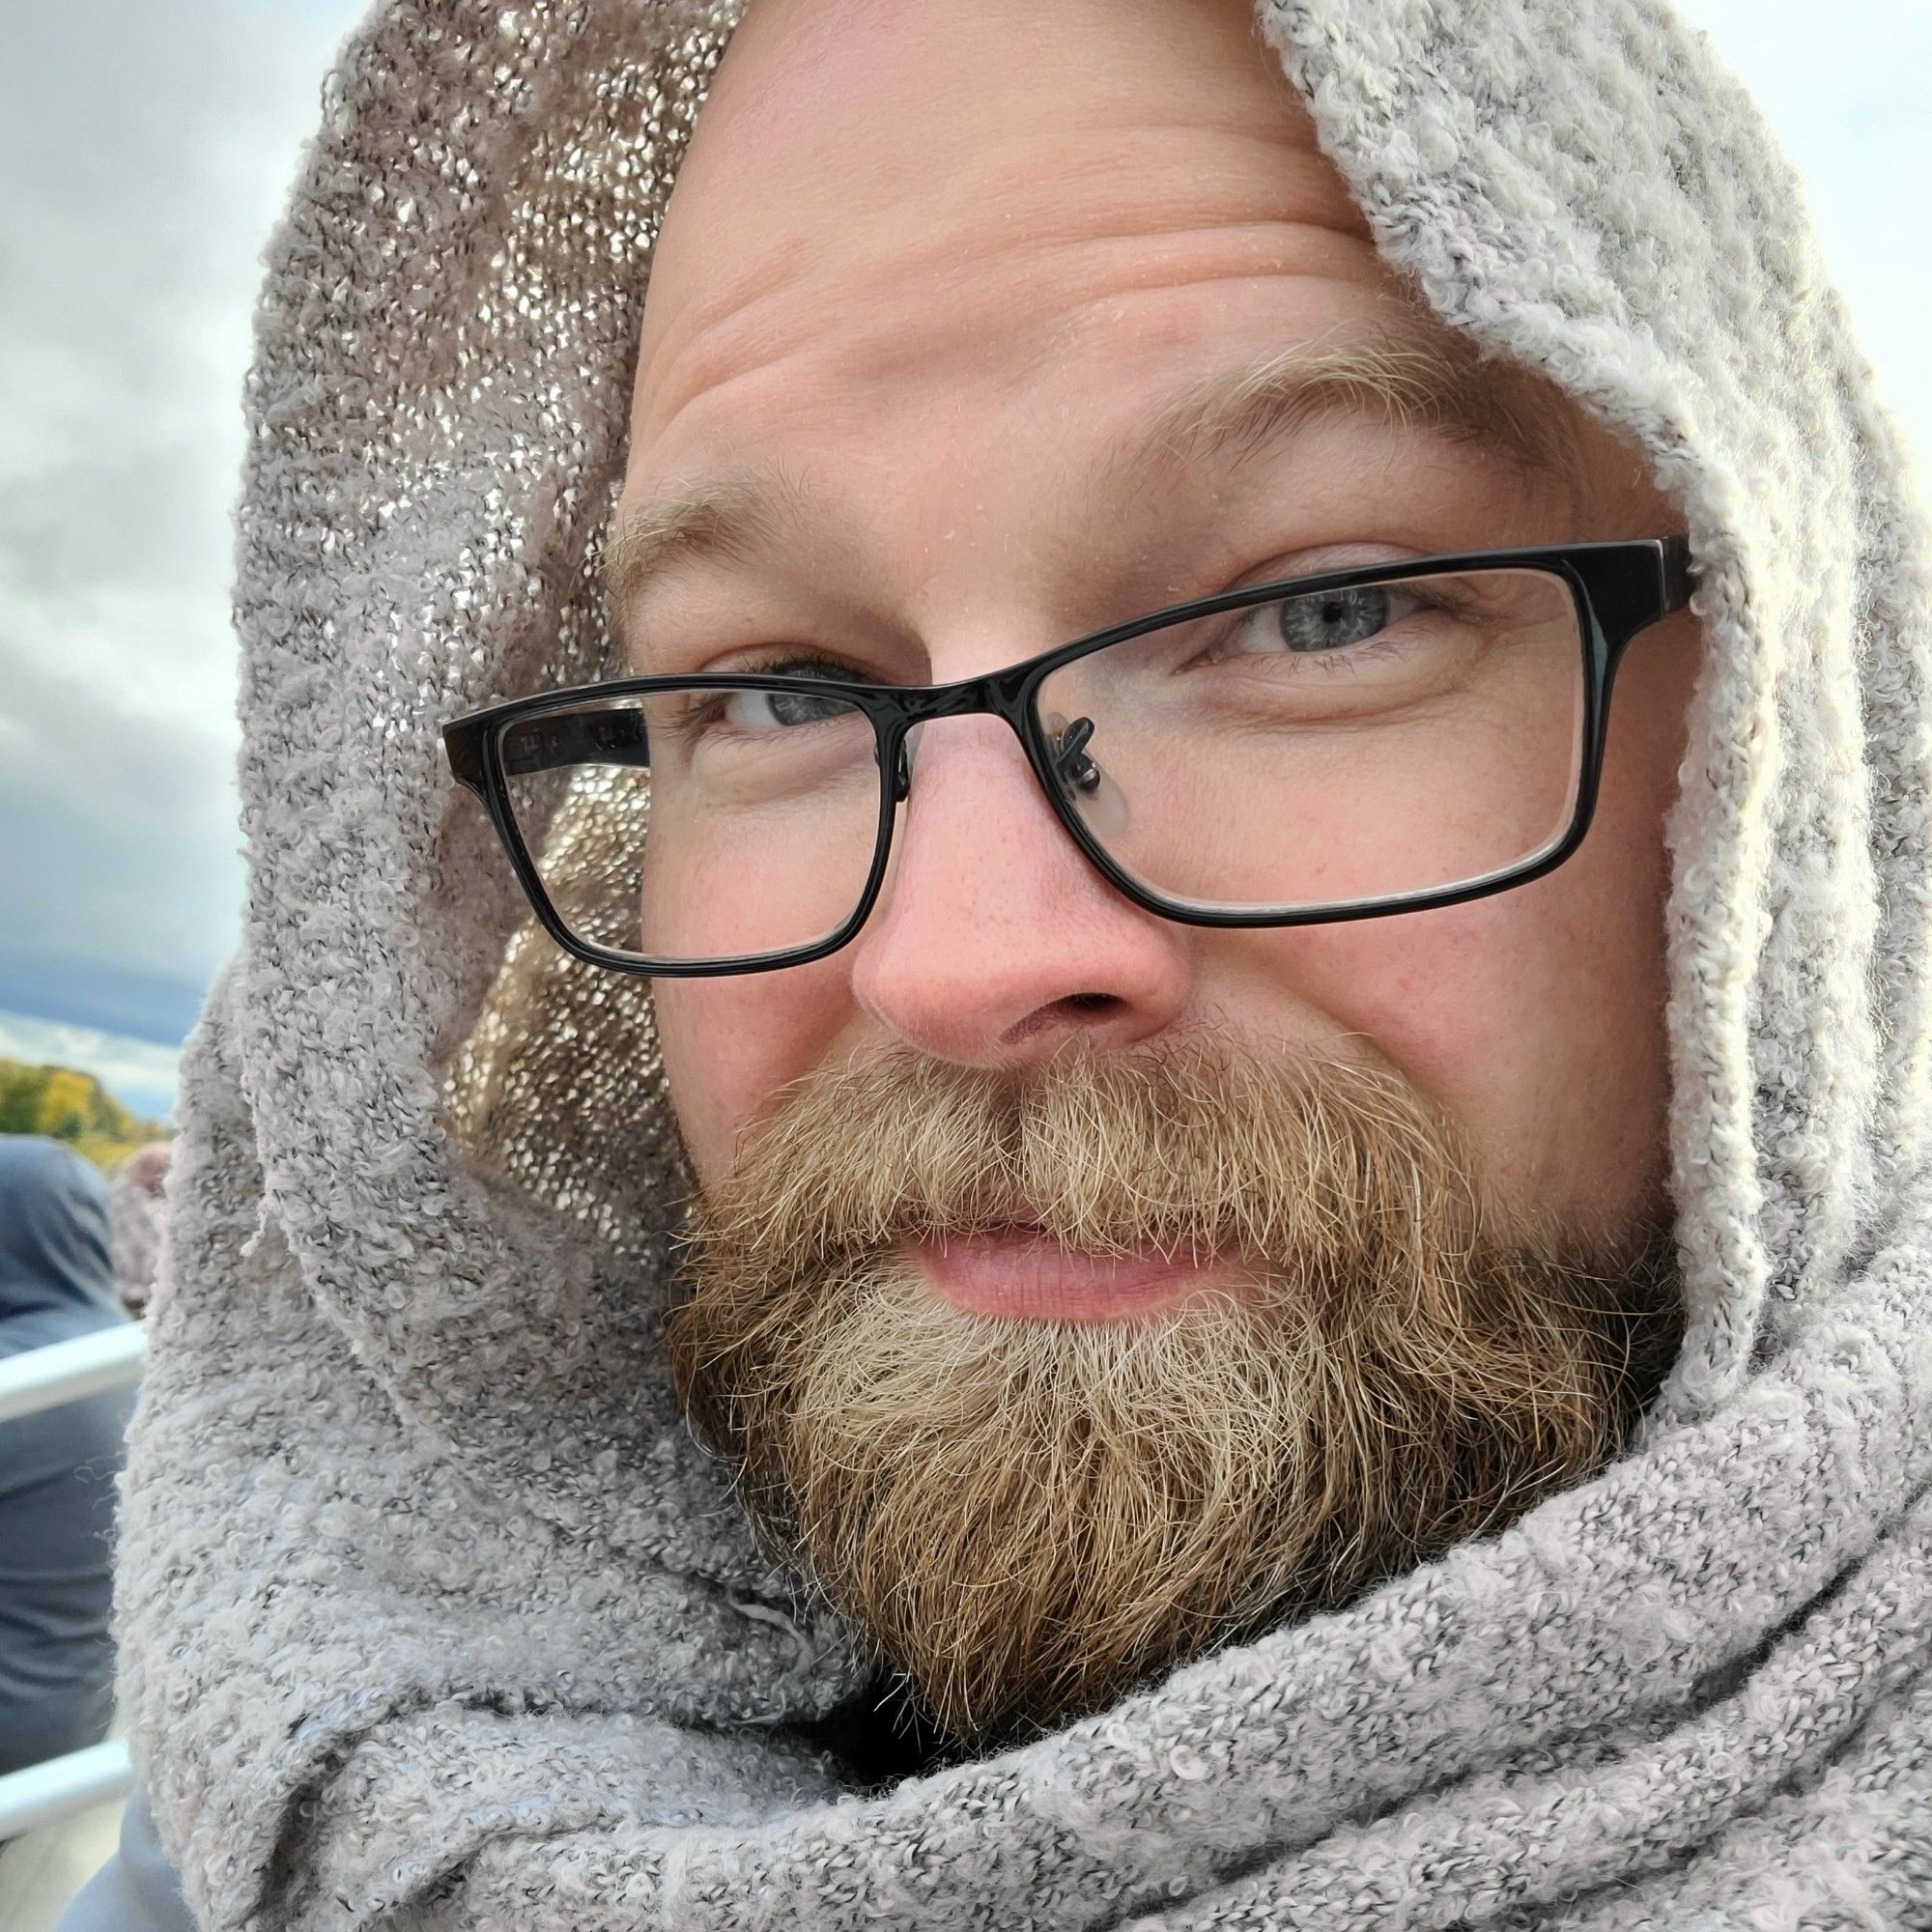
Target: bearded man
{"x": 1254, "y": 714}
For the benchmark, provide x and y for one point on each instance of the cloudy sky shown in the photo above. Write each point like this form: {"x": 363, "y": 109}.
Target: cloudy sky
{"x": 145, "y": 147}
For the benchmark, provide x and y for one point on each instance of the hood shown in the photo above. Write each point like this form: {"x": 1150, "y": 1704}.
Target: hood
{"x": 431, "y": 1612}
{"x": 53, "y": 1245}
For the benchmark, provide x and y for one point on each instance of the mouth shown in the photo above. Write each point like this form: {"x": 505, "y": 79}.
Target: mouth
{"x": 1021, "y": 1272}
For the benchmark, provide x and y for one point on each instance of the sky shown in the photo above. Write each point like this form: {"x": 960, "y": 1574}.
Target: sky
{"x": 129, "y": 261}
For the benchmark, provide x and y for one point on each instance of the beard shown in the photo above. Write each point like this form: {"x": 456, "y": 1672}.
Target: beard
{"x": 1026, "y": 1517}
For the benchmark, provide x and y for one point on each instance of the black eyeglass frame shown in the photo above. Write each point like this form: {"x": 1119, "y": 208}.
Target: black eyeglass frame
{"x": 1619, "y": 588}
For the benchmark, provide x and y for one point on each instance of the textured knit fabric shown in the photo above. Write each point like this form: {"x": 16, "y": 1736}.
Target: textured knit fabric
{"x": 432, "y": 1615}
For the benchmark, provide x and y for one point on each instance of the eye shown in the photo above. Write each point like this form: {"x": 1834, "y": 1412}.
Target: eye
{"x": 773, "y": 710}
{"x": 764, "y": 710}
{"x": 1327, "y": 620}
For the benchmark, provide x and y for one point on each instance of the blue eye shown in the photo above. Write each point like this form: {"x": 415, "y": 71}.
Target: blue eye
{"x": 767, "y": 710}
{"x": 762, "y": 710}
{"x": 1331, "y": 620}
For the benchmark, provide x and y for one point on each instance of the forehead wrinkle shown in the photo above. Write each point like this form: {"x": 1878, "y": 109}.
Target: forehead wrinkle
{"x": 1401, "y": 373}
{"x": 981, "y": 262}
{"x": 1402, "y": 369}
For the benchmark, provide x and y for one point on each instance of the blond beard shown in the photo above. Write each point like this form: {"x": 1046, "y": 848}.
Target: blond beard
{"x": 1029, "y": 1517}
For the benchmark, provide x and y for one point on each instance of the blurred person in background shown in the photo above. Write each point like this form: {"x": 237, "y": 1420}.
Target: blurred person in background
{"x": 58, "y": 1467}
{"x": 136, "y": 1204}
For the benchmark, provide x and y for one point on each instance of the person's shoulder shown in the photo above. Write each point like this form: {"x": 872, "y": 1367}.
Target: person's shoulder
{"x": 136, "y": 1889}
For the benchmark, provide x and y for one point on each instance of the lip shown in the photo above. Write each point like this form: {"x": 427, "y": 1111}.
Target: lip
{"x": 1021, "y": 1272}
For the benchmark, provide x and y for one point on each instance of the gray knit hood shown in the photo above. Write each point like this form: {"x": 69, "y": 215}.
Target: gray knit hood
{"x": 432, "y": 1615}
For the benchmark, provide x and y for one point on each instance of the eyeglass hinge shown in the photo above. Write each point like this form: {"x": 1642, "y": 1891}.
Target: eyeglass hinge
{"x": 1678, "y": 582}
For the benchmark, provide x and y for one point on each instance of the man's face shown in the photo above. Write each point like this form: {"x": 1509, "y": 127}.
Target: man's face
{"x": 929, "y": 276}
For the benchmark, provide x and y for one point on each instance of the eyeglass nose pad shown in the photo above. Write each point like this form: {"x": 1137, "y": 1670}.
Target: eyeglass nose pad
{"x": 1071, "y": 762}
{"x": 1101, "y": 806}
{"x": 902, "y": 764}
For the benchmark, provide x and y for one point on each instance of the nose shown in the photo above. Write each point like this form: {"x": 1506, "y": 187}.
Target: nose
{"x": 994, "y": 941}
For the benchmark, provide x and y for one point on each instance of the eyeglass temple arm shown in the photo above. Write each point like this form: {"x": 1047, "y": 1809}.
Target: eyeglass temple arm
{"x": 616, "y": 737}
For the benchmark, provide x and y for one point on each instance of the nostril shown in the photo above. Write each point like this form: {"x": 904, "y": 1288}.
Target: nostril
{"x": 1071, "y": 1012}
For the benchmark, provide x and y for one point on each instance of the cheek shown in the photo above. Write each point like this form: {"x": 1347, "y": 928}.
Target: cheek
{"x": 1535, "y": 1025}
{"x": 1534, "y": 1018}
{"x": 730, "y": 1043}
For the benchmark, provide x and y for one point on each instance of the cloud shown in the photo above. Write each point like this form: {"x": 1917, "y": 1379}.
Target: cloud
{"x": 56, "y": 986}
{"x": 147, "y": 149}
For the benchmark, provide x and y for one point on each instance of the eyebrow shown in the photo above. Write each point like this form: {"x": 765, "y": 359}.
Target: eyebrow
{"x": 1406, "y": 372}
{"x": 731, "y": 518}
{"x": 1411, "y": 373}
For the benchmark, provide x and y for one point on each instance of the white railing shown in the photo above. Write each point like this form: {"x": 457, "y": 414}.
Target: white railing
{"x": 66, "y": 1371}
{"x": 46, "y": 1793}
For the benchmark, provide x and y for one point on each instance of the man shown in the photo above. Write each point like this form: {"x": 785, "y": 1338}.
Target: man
{"x": 1303, "y": 1096}
{"x": 1143, "y": 353}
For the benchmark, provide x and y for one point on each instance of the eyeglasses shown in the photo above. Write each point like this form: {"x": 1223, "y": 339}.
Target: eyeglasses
{"x": 1347, "y": 746}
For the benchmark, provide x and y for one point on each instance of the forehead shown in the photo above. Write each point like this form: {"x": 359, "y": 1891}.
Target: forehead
{"x": 927, "y": 310}
{"x": 928, "y": 194}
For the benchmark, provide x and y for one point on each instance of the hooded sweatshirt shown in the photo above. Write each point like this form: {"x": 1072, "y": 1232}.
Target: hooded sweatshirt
{"x": 432, "y": 1614}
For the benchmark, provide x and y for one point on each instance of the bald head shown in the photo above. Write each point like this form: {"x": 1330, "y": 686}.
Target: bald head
{"x": 858, "y": 166}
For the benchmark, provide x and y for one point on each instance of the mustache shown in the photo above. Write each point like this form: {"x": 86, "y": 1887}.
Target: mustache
{"x": 1193, "y": 1151}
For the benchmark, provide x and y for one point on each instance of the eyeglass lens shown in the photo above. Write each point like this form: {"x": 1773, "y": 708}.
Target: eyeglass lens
{"x": 1332, "y": 747}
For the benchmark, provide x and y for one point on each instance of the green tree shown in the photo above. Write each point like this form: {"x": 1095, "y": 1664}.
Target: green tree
{"x": 68, "y": 1105}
